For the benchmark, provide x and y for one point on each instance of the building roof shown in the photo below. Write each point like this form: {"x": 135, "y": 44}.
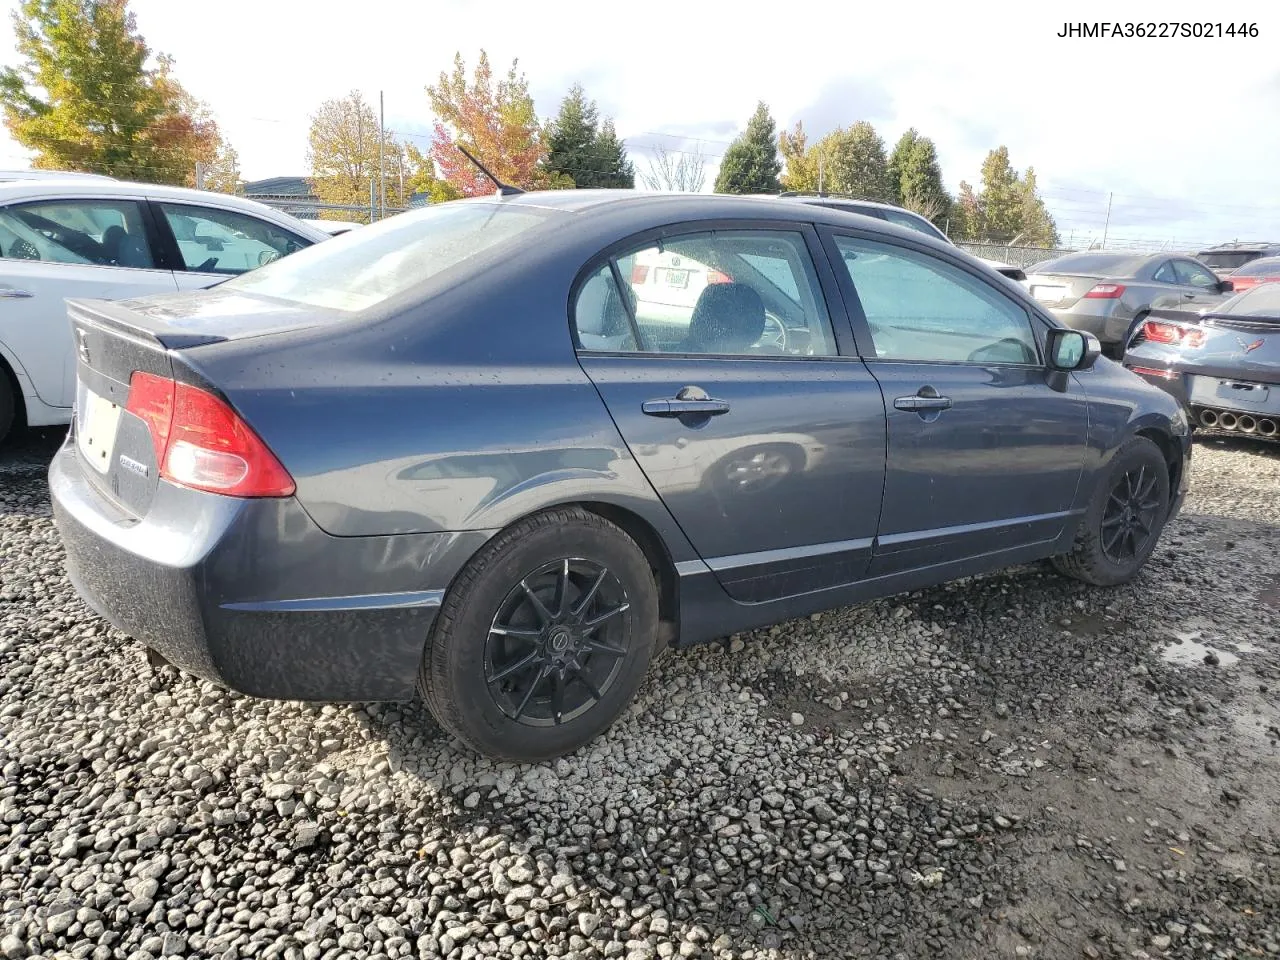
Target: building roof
{"x": 279, "y": 187}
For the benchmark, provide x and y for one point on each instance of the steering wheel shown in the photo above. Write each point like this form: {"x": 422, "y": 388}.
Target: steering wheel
{"x": 775, "y": 333}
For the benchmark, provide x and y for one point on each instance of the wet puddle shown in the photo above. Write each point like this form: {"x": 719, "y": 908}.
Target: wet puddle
{"x": 1187, "y": 650}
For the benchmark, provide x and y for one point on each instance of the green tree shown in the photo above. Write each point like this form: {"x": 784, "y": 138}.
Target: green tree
{"x": 801, "y": 161}
{"x": 854, "y": 163}
{"x": 496, "y": 122}
{"x": 916, "y": 177}
{"x": 1038, "y": 228}
{"x": 1002, "y": 198}
{"x": 751, "y": 164}
{"x": 582, "y": 150}
{"x": 88, "y": 94}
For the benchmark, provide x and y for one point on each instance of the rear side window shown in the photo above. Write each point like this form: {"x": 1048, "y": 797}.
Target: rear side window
{"x": 918, "y": 224}
{"x": 361, "y": 269}
{"x": 226, "y": 241}
{"x": 105, "y": 233}
{"x": 727, "y": 293}
{"x": 1165, "y": 274}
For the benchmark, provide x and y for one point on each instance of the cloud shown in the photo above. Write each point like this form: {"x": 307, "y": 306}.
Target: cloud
{"x": 842, "y": 103}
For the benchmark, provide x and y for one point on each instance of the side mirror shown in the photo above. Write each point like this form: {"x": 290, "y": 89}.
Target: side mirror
{"x": 1225, "y": 286}
{"x": 1072, "y": 349}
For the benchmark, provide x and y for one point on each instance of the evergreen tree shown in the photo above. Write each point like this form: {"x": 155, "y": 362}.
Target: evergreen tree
{"x": 916, "y": 176}
{"x": 582, "y": 149}
{"x": 751, "y": 164}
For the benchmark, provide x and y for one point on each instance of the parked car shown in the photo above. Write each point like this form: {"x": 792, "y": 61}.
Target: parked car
{"x": 79, "y": 236}
{"x": 903, "y": 218}
{"x": 1226, "y": 258}
{"x": 1262, "y": 270}
{"x": 1109, "y": 293}
{"x": 1223, "y": 363}
{"x": 453, "y": 452}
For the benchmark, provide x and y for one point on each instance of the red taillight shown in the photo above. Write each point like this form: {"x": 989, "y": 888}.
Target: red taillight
{"x": 715, "y": 276}
{"x": 1153, "y": 372}
{"x": 202, "y": 443}
{"x": 1105, "y": 291}
{"x": 1172, "y": 333}
{"x": 639, "y": 273}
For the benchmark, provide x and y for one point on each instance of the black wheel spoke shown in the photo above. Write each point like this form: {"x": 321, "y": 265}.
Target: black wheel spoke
{"x": 1146, "y": 505}
{"x": 516, "y": 667}
{"x": 557, "y": 696}
{"x": 562, "y": 605}
{"x": 590, "y": 595}
{"x": 1112, "y": 521}
{"x": 1108, "y": 544}
{"x": 597, "y": 647}
{"x": 544, "y": 615}
{"x": 582, "y": 678}
{"x": 537, "y": 682}
{"x": 516, "y": 633}
{"x": 607, "y": 615}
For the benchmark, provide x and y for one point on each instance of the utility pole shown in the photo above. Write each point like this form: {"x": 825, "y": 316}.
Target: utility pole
{"x": 820, "y": 171}
{"x": 201, "y": 171}
{"x": 382, "y": 159}
{"x": 1107, "y": 224}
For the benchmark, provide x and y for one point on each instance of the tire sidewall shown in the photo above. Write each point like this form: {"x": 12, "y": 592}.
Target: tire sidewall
{"x": 1138, "y": 452}
{"x": 8, "y": 406}
{"x": 459, "y": 673}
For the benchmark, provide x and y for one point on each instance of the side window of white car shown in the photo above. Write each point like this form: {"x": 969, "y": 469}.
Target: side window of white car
{"x": 105, "y": 233}
{"x": 225, "y": 241}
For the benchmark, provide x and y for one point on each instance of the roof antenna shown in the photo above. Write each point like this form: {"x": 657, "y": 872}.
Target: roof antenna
{"x": 503, "y": 189}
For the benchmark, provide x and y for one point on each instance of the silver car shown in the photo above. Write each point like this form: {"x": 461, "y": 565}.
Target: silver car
{"x": 1223, "y": 364}
{"x": 1109, "y": 294}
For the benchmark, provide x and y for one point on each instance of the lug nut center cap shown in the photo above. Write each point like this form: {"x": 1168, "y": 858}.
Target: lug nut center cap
{"x": 559, "y": 640}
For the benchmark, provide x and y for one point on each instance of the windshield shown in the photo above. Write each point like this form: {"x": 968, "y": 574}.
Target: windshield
{"x": 1227, "y": 261}
{"x": 1094, "y": 264}
{"x": 364, "y": 267}
{"x": 1263, "y": 267}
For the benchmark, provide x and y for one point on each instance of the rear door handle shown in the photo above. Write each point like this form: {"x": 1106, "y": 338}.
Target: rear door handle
{"x": 13, "y": 293}
{"x": 680, "y": 407}
{"x": 922, "y": 403}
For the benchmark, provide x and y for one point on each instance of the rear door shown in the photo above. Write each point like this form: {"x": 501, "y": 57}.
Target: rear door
{"x": 745, "y": 406}
{"x": 983, "y": 455}
{"x": 209, "y": 244}
{"x": 51, "y": 250}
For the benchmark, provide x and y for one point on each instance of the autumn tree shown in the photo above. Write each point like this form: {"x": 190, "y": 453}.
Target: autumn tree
{"x": 916, "y": 177}
{"x": 1038, "y": 228}
{"x": 420, "y": 177}
{"x": 88, "y": 94}
{"x": 496, "y": 122}
{"x": 966, "y": 214}
{"x": 750, "y": 164}
{"x": 344, "y": 154}
{"x": 220, "y": 169}
{"x": 682, "y": 171}
{"x": 584, "y": 151}
{"x": 802, "y": 167}
{"x": 1008, "y": 207}
{"x": 846, "y": 161}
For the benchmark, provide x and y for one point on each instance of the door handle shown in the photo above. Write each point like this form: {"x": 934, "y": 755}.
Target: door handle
{"x": 681, "y": 407}
{"x": 919, "y": 403}
{"x": 1188, "y": 295}
{"x": 13, "y": 293}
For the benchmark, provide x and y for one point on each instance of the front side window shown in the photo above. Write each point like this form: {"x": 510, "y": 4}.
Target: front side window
{"x": 726, "y": 293}
{"x": 225, "y": 241}
{"x": 1194, "y": 275}
{"x": 922, "y": 309}
{"x": 105, "y": 233}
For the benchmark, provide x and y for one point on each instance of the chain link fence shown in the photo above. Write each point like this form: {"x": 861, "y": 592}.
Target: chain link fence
{"x": 1014, "y": 256}
{"x": 305, "y": 208}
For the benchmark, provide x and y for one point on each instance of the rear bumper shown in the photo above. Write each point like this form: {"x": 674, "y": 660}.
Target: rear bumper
{"x": 1202, "y": 394}
{"x": 251, "y": 594}
{"x": 1098, "y": 320}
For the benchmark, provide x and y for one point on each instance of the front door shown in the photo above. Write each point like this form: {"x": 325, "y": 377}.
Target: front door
{"x": 54, "y": 250}
{"x": 983, "y": 455}
{"x": 1199, "y": 287}
{"x": 718, "y": 363}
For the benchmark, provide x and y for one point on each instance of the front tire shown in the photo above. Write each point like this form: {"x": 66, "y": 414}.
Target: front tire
{"x": 544, "y": 638}
{"x": 8, "y": 405}
{"x": 1124, "y": 520}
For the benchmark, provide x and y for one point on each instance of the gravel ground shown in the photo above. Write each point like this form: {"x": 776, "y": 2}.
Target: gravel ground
{"x": 1016, "y": 765}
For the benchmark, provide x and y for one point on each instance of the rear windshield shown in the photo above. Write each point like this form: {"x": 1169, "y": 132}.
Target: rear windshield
{"x": 1094, "y": 264}
{"x": 1261, "y": 302}
{"x": 1263, "y": 267}
{"x": 1227, "y": 261}
{"x": 362, "y": 268}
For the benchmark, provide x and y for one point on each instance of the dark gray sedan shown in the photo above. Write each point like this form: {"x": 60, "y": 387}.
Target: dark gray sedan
{"x": 1109, "y": 293}
{"x": 495, "y": 450}
{"x": 1223, "y": 363}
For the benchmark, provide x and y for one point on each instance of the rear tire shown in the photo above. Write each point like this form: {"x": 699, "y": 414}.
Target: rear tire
{"x": 514, "y": 667}
{"x": 1124, "y": 520}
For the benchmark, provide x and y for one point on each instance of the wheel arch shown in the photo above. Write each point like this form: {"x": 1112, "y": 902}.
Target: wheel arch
{"x": 10, "y": 379}
{"x": 1169, "y": 450}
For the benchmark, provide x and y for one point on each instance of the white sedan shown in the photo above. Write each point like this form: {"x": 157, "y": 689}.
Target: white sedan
{"x": 88, "y": 237}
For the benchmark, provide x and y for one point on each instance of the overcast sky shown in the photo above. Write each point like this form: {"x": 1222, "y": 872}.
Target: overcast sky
{"x": 1185, "y": 133}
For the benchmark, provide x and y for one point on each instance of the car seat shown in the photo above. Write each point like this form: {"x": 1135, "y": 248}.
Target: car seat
{"x": 601, "y": 316}
{"x": 728, "y": 318}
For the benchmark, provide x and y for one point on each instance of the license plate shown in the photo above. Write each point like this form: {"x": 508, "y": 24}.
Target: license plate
{"x": 1244, "y": 392}
{"x": 1048, "y": 294}
{"x": 678, "y": 278}
{"x": 96, "y": 422}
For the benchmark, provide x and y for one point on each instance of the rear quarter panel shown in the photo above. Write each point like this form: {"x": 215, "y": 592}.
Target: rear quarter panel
{"x": 463, "y": 413}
